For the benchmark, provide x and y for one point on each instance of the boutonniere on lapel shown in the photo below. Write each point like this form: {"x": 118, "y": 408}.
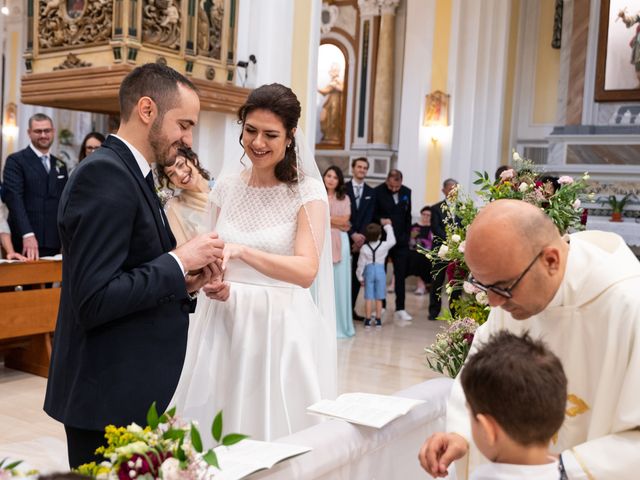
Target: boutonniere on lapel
{"x": 60, "y": 165}
{"x": 404, "y": 198}
{"x": 164, "y": 195}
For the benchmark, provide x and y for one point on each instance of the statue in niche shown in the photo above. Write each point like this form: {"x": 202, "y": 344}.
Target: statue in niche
{"x": 331, "y": 114}
{"x": 161, "y": 23}
{"x": 630, "y": 21}
{"x": 210, "y": 20}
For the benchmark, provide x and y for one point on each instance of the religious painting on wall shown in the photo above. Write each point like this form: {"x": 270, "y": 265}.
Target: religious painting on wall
{"x": 332, "y": 97}
{"x": 618, "y": 61}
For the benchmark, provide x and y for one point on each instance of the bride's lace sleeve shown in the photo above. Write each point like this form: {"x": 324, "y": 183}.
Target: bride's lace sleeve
{"x": 312, "y": 189}
{"x": 219, "y": 191}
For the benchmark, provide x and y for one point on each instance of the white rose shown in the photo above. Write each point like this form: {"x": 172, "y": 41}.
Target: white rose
{"x": 442, "y": 251}
{"x": 523, "y": 187}
{"x": 576, "y": 204}
{"x": 516, "y": 156}
{"x": 170, "y": 469}
{"x": 481, "y": 298}
{"x": 455, "y": 238}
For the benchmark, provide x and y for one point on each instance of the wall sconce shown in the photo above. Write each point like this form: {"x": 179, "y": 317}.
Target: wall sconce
{"x": 10, "y": 124}
{"x": 436, "y": 114}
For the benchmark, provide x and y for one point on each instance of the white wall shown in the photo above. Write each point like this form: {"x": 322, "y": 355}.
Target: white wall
{"x": 416, "y": 82}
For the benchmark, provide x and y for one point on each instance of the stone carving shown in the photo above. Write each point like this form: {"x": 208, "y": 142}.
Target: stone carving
{"x": 210, "y": 21}
{"x": 161, "y": 23}
{"x": 72, "y": 61}
{"x": 328, "y": 17}
{"x": 74, "y": 23}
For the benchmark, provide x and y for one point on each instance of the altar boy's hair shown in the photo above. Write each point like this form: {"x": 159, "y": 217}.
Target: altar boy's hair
{"x": 520, "y": 383}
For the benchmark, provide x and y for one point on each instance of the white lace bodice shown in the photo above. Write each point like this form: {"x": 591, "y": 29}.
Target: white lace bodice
{"x": 262, "y": 217}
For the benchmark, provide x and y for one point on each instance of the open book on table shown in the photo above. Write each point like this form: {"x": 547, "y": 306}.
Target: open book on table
{"x": 250, "y": 456}
{"x": 366, "y": 409}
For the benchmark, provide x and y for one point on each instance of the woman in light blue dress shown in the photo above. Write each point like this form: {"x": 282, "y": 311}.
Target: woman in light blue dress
{"x": 340, "y": 211}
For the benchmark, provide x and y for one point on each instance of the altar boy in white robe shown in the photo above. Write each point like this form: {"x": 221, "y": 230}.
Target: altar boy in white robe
{"x": 581, "y": 295}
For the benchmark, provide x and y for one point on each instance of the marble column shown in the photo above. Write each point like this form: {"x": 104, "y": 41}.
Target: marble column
{"x": 383, "y": 96}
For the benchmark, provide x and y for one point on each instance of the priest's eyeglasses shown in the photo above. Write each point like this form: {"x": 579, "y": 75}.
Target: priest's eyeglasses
{"x": 503, "y": 292}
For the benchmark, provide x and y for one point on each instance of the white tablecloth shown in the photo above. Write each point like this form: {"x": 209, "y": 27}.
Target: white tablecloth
{"x": 629, "y": 230}
{"x": 342, "y": 451}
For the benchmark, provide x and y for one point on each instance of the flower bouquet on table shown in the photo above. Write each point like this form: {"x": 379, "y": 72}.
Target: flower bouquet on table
{"x": 167, "y": 448}
{"x": 559, "y": 198}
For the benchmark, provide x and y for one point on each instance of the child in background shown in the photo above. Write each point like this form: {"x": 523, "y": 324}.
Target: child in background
{"x": 516, "y": 393}
{"x": 370, "y": 270}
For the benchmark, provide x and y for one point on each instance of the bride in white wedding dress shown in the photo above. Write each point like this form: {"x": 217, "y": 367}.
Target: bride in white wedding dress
{"x": 268, "y": 352}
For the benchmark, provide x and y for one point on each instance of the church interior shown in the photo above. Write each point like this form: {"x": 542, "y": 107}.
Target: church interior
{"x": 437, "y": 89}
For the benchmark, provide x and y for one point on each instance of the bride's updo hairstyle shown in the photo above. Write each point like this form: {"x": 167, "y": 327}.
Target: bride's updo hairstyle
{"x": 282, "y": 102}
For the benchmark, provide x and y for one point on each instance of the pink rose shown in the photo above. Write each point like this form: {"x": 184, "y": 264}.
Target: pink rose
{"x": 507, "y": 174}
{"x": 565, "y": 180}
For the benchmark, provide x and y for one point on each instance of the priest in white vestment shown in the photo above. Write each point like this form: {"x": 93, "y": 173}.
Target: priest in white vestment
{"x": 581, "y": 295}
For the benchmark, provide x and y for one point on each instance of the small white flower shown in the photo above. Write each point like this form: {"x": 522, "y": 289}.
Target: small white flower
{"x": 516, "y": 156}
{"x": 139, "y": 462}
{"x": 130, "y": 464}
{"x": 462, "y": 246}
{"x": 442, "y": 251}
{"x": 449, "y": 289}
{"x": 565, "y": 180}
{"x": 586, "y": 176}
{"x": 455, "y": 238}
{"x": 481, "y": 298}
{"x": 576, "y": 204}
{"x": 592, "y": 196}
{"x": 523, "y": 187}
{"x": 470, "y": 288}
{"x": 134, "y": 428}
{"x": 132, "y": 473}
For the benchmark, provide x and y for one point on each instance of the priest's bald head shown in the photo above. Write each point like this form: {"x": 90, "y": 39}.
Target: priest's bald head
{"x": 516, "y": 254}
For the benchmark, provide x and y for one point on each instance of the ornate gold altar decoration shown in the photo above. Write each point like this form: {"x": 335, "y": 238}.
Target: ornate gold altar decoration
{"x": 78, "y": 51}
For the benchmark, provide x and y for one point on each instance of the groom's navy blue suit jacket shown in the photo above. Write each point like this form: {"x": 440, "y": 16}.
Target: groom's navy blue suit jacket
{"x": 121, "y": 334}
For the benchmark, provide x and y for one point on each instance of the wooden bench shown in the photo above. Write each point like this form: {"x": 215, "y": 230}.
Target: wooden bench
{"x": 28, "y": 316}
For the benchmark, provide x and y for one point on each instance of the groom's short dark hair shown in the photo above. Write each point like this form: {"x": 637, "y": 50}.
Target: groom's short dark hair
{"x": 158, "y": 82}
{"x": 520, "y": 383}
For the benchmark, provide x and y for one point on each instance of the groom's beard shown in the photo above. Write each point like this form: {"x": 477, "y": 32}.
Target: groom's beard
{"x": 160, "y": 145}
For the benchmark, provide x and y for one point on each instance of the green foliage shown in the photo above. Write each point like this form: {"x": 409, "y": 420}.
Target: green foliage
{"x": 617, "y": 205}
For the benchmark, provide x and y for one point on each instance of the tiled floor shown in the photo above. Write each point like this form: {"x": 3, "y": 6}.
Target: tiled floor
{"x": 375, "y": 360}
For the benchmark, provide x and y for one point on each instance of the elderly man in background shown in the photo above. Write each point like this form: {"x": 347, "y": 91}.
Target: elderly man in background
{"x": 580, "y": 294}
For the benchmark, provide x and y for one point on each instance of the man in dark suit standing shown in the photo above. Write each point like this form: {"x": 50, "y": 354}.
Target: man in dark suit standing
{"x": 362, "y": 198}
{"x": 121, "y": 334}
{"x": 438, "y": 216}
{"x": 33, "y": 182}
{"x": 393, "y": 201}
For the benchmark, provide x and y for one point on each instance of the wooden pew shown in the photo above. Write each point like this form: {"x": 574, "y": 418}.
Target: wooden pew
{"x": 28, "y": 317}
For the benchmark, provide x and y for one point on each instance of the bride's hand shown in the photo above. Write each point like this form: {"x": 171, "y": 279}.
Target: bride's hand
{"x": 231, "y": 251}
{"x": 217, "y": 289}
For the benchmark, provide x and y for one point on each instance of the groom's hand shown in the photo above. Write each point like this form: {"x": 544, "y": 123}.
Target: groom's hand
{"x": 195, "y": 282}
{"x": 200, "y": 251}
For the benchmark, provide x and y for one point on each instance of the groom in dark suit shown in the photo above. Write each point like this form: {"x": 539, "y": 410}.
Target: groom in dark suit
{"x": 121, "y": 334}
{"x": 363, "y": 200}
{"x": 33, "y": 182}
